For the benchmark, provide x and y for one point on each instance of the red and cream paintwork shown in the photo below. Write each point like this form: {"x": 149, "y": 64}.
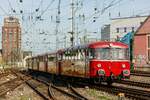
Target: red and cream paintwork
{"x": 107, "y": 68}
{"x": 76, "y": 62}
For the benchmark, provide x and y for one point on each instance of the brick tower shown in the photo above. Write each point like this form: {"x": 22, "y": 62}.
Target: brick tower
{"x": 11, "y": 39}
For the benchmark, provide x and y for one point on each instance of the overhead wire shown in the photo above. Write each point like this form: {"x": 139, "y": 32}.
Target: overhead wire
{"x": 11, "y": 8}
{"x": 3, "y": 11}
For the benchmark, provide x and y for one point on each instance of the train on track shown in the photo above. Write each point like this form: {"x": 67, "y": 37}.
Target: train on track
{"x": 96, "y": 62}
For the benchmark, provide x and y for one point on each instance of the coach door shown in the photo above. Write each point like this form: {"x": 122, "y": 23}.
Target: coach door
{"x": 46, "y": 63}
{"x": 86, "y": 62}
{"x": 59, "y": 59}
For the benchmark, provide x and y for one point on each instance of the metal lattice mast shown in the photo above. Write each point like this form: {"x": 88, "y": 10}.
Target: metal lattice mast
{"x": 57, "y": 24}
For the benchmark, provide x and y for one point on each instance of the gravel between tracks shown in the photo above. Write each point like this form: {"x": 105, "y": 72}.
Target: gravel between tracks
{"x": 140, "y": 79}
{"x": 23, "y": 92}
{"x": 7, "y": 78}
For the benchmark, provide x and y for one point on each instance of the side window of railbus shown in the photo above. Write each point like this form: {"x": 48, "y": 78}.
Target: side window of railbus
{"x": 78, "y": 53}
{"x": 51, "y": 57}
{"x": 86, "y": 53}
{"x": 91, "y": 53}
{"x": 82, "y": 54}
{"x": 58, "y": 56}
{"x": 68, "y": 55}
{"x": 41, "y": 58}
{"x": 75, "y": 55}
{"x": 64, "y": 56}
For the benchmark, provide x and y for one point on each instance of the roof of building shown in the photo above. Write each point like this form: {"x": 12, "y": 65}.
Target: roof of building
{"x": 144, "y": 28}
{"x": 128, "y": 17}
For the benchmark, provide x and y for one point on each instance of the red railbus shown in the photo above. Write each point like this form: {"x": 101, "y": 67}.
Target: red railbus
{"x": 97, "y": 62}
{"x": 109, "y": 61}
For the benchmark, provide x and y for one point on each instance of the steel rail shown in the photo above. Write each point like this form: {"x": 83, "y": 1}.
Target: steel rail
{"x": 133, "y": 83}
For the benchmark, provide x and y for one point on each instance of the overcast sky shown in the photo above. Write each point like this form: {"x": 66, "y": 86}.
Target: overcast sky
{"x": 39, "y": 34}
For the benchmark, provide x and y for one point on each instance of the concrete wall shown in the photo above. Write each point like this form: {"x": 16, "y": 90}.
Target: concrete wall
{"x": 122, "y": 23}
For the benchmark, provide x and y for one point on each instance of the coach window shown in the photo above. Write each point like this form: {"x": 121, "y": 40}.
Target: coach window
{"x": 91, "y": 53}
{"x": 60, "y": 56}
{"x": 79, "y": 54}
{"x": 76, "y": 54}
{"x": 41, "y": 59}
{"x": 63, "y": 56}
{"x": 71, "y": 55}
{"x": 68, "y": 54}
{"x": 82, "y": 54}
{"x": 46, "y": 58}
{"x": 86, "y": 53}
{"x": 76, "y": 57}
{"x": 51, "y": 58}
{"x": 66, "y": 57}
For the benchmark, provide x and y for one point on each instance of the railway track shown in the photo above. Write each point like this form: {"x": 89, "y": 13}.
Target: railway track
{"x": 77, "y": 93}
{"x": 128, "y": 92}
{"x": 38, "y": 87}
{"x": 133, "y": 83}
{"x": 10, "y": 85}
{"x": 141, "y": 73}
{"x": 50, "y": 91}
{"x": 73, "y": 94}
{"x": 5, "y": 72}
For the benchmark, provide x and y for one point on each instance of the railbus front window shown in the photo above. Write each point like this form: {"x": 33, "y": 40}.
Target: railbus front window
{"x": 120, "y": 54}
{"x": 109, "y": 54}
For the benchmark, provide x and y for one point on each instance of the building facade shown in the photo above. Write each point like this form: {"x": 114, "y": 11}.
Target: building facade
{"x": 121, "y": 26}
{"x": 105, "y": 33}
{"x": 141, "y": 44}
{"x": 11, "y": 39}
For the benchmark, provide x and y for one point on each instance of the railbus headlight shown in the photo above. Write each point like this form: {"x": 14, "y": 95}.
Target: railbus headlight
{"x": 99, "y": 65}
{"x": 123, "y": 66}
